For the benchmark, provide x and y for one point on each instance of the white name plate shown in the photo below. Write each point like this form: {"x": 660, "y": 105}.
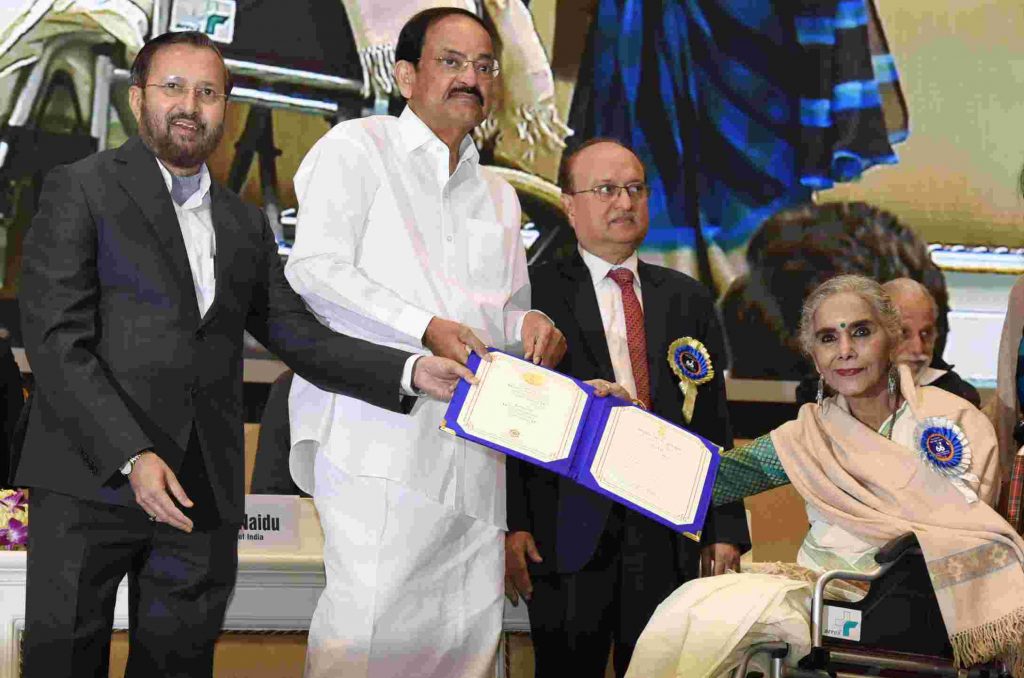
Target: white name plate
{"x": 270, "y": 521}
{"x": 842, "y": 622}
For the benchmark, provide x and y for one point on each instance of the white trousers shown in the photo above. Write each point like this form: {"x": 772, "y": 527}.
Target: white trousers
{"x": 413, "y": 589}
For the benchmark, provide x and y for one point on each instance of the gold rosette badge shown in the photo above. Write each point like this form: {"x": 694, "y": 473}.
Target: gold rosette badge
{"x": 692, "y": 364}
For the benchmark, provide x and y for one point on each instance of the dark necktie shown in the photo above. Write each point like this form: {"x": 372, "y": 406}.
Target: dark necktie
{"x": 636, "y": 336}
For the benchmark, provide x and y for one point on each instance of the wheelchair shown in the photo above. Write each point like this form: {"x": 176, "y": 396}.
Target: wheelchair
{"x": 896, "y": 630}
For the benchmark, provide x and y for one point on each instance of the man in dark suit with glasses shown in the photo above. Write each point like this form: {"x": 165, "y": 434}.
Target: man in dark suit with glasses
{"x": 140, "y": 277}
{"x": 592, "y": 571}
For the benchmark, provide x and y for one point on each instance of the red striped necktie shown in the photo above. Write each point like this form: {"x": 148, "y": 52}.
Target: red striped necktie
{"x": 636, "y": 337}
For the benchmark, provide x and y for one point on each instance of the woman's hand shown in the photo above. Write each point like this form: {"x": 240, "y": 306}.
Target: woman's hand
{"x": 604, "y": 388}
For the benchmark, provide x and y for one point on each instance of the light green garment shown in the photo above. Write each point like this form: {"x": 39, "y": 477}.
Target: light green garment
{"x": 755, "y": 467}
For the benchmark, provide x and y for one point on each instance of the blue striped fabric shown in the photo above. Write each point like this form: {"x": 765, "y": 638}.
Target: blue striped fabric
{"x": 851, "y": 14}
{"x": 816, "y": 112}
{"x": 855, "y": 95}
{"x": 815, "y": 30}
{"x": 885, "y": 68}
{"x": 785, "y": 101}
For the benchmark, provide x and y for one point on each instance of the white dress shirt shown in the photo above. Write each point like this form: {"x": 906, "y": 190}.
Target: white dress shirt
{"x": 385, "y": 241}
{"x": 613, "y": 315}
{"x": 196, "y": 222}
{"x": 195, "y": 219}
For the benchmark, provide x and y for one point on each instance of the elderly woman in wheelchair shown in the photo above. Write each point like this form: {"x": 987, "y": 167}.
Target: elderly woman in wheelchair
{"x": 898, "y": 481}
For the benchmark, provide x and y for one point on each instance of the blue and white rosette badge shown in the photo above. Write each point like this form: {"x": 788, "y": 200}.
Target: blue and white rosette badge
{"x": 944, "y": 447}
{"x": 692, "y": 364}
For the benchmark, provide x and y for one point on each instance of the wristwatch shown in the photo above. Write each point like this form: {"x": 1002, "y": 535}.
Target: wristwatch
{"x": 130, "y": 464}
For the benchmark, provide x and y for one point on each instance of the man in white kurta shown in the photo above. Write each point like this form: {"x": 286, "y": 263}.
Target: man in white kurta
{"x": 400, "y": 230}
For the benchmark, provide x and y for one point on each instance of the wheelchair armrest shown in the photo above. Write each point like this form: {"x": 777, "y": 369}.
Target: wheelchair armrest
{"x": 895, "y": 548}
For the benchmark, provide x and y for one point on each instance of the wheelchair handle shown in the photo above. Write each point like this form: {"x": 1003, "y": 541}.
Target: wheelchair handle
{"x": 894, "y": 549}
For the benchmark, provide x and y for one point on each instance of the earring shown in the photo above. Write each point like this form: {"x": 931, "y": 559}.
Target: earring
{"x": 893, "y": 380}
{"x": 821, "y": 390}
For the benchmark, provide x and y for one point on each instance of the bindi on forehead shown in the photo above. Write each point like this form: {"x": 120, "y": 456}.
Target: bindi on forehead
{"x": 845, "y": 324}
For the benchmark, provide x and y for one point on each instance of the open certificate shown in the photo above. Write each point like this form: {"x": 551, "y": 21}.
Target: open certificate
{"x": 606, "y": 444}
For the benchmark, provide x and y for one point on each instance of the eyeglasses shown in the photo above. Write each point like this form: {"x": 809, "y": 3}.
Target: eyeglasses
{"x": 609, "y": 192}
{"x": 177, "y": 90}
{"x": 484, "y": 68}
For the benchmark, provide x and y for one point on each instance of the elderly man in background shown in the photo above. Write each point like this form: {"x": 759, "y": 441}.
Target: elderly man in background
{"x": 919, "y": 314}
{"x": 405, "y": 239}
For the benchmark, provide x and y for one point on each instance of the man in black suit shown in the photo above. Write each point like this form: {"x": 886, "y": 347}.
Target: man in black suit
{"x": 140, "y": 276}
{"x": 597, "y": 571}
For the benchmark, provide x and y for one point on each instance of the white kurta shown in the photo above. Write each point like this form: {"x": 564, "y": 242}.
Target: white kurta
{"x": 386, "y": 240}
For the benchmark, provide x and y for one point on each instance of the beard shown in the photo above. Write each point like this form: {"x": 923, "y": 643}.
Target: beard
{"x": 158, "y": 135}
{"x": 917, "y": 363}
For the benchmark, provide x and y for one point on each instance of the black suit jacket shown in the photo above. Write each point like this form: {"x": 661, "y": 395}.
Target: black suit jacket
{"x": 567, "y": 520}
{"x": 270, "y": 470}
{"x": 122, "y": 359}
{"x": 955, "y": 384}
{"x": 11, "y": 402}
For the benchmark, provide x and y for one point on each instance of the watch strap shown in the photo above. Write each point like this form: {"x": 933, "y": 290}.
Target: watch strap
{"x": 130, "y": 464}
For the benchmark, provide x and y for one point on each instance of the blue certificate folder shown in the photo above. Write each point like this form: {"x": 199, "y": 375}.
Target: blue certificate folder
{"x": 598, "y": 416}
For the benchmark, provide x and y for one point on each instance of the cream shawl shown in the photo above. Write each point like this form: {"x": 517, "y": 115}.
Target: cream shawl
{"x": 878, "y": 490}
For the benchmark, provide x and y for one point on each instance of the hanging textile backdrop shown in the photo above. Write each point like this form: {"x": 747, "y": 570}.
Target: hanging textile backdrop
{"x": 739, "y": 109}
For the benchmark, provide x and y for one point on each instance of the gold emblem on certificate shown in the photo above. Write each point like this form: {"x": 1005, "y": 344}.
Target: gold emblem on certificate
{"x": 523, "y": 407}
{"x": 691, "y": 362}
{"x": 533, "y": 379}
